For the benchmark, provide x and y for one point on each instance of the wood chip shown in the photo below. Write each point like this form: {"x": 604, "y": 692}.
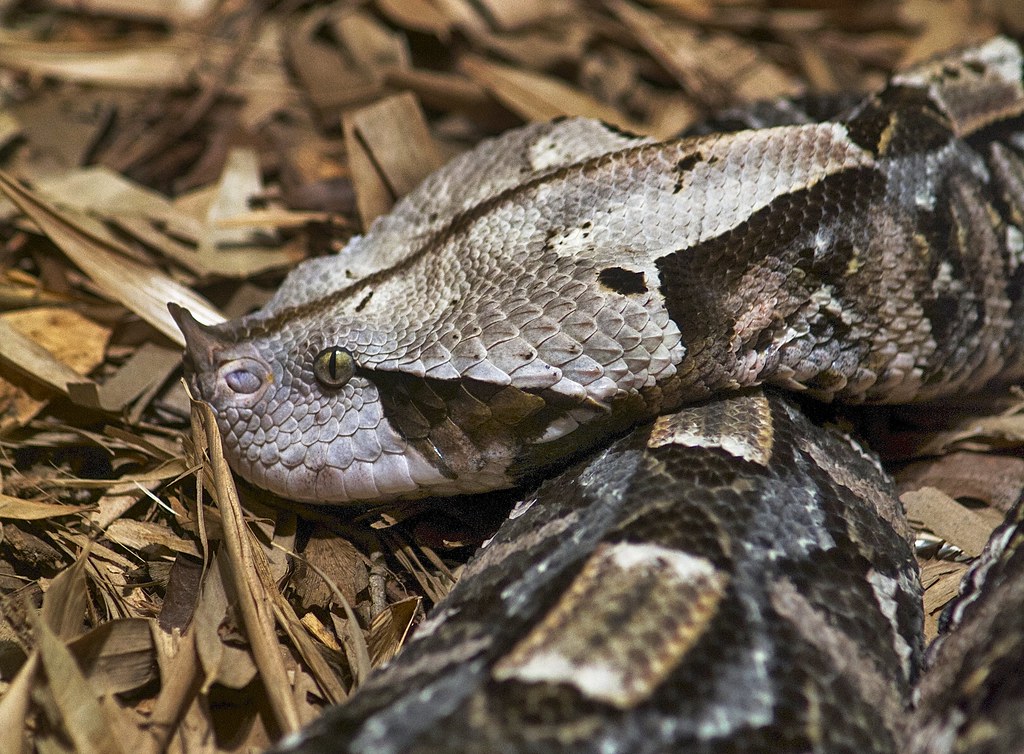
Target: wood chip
{"x": 538, "y": 97}
{"x": 390, "y": 152}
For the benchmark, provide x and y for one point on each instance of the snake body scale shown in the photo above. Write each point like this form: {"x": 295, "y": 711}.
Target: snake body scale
{"x": 730, "y": 578}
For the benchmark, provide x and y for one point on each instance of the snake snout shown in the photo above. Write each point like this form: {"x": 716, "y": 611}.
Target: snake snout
{"x": 202, "y": 342}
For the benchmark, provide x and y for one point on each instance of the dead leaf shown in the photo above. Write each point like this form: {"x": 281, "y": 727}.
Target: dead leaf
{"x": 28, "y": 357}
{"x": 941, "y": 582}
{"x": 65, "y": 600}
{"x": 140, "y": 289}
{"x": 244, "y": 558}
{"x": 165, "y": 66}
{"x": 537, "y": 97}
{"x": 389, "y": 630}
{"x": 84, "y": 720}
{"x": 117, "y": 656}
{"x": 169, "y": 11}
{"x": 932, "y": 509}
{"x": 336, "y": 559}
{"x": 14, "y": 707}
{"x": 16, "y": 509}
{"x": 992, "y": 478}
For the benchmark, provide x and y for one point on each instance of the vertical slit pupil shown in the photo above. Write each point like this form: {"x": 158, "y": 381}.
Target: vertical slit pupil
{"x": 332, "y": 364}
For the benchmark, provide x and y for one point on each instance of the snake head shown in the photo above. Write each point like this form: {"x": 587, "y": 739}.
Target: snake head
{"x": 302, "y": 416}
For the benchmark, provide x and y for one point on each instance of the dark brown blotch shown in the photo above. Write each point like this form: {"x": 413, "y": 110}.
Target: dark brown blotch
{"x": 684, "y": 166}
{"x": 622, "y": 281}
{"x": 900, "y": 121}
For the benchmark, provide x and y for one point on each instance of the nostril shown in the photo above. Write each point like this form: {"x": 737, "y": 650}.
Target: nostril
{"x": 243, "y": 381}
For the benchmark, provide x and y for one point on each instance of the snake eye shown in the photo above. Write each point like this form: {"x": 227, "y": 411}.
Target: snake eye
{"x": 334, "y": 367}
{"x": 243, "y": 381}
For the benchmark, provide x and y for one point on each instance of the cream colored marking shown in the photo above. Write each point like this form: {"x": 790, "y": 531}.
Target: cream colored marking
{"x": 748, "y": 436}
{"x": 618, "y": 656}
{"x": 886, "y": 588}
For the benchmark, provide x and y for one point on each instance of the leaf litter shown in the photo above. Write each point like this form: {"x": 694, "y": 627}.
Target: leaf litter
{"x": 194, "y": 152}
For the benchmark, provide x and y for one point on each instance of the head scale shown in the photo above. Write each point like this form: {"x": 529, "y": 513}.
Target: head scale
{"x": 301, "y": 413}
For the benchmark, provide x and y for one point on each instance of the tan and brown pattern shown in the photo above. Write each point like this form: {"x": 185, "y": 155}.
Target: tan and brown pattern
{"x": 566, "y": 281}
{"x": 730, "y": 578}
{"x": 623, "y": 625}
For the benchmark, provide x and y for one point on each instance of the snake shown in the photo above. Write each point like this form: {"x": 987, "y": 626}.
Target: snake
{"x": 727, "y": 576}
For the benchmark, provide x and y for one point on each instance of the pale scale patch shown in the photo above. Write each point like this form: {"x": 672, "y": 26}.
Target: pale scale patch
{"x": 1015, "y": 246}
{"x": 576, "y": 140}
{"x": 687, "y": 567}
{"x": 739, "y": 425}
{"x": 627, "y": 620}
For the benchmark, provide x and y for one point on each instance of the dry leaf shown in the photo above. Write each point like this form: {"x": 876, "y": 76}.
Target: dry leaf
{"x": 941, "y": 582}
{"x": 940, "y": 514}
{"x": 336, "y": 559}
{"x": 417, "y": 15}
{"x": 244, "y": 558}
{"x": 538, "y": 97}
{"x": 169, "y": 11}
{"x": 240, "y": 182}
{"x": 84, "y": 720}
{"x": 138, "y": 535}
{"x": 389, "y": 630}
{"x": 16, "y": 509}
{"x": 117, "y": 656}
{"x": 994, "y": 479}
{"x": 25, "y": 355}
{"x": 14, "y": 707}
{"x": 140, "y": 289}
